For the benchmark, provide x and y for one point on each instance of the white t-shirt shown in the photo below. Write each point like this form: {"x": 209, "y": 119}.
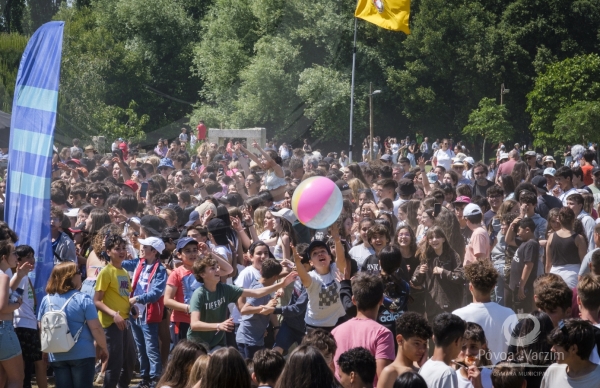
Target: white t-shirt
{"x": 324, "y": 304}
{"x": 438, "y": 375}
{"x": 444, "y": 158}
{"x": 486, "y": 379}
{"x": 556, "y": 377}
{"x": 563, "y": 197}
{"x": 497, "y": 323}
{"x": 360, "y": 253}
{"x": 24, "y": 316}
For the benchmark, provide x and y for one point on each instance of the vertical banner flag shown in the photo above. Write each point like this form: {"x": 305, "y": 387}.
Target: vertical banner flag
{"x": 31, "y": 143}
{"x": 389, "y": 14}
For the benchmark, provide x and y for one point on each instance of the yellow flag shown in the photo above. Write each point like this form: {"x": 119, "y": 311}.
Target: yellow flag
{"x": 389, "y": 14}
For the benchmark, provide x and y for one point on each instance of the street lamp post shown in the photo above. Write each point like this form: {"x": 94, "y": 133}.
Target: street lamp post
{"x": 371, "y": 94}
{"x": 503, "y": 91}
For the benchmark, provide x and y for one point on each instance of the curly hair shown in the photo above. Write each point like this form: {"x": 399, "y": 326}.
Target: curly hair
{"x": 100, "y": 237}
{"x": 482, "y": 275}
{"x": 551, "y": 292}
{"x": 412, "y": 324}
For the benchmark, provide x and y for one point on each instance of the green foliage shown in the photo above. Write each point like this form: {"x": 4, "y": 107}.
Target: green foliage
{"x": 490, "y": 122}
{"x": 11, "y": 50}
{"x": 563, "y": 103}
{"x": 124, "y": 123}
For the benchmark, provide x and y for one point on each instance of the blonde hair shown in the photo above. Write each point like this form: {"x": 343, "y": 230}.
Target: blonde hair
{"x": 198, "y": 369}
{"x": 259, "y": 218}
{"x": 356, "y": 185}
{"x": 153, "y": 160}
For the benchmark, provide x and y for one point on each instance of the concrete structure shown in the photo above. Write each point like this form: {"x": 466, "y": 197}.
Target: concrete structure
{"x": 216, "y": 135}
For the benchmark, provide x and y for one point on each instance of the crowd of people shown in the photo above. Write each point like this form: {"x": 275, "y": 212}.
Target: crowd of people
{"x": 185, "y": 264}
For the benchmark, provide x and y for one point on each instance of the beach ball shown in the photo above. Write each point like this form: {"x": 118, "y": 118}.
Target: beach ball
{"x": 317, "y": 202}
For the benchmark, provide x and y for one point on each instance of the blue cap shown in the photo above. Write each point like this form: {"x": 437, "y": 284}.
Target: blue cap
{"x": 165, "y": 162}
{"x": 194, "y": 216}
{"x": 182, "y": 242}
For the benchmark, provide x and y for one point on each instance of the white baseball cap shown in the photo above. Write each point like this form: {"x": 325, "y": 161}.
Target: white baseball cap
{"x": 550, "y": 171}
{"x": 153, "y": 242}
{"x": 471, "y": 210}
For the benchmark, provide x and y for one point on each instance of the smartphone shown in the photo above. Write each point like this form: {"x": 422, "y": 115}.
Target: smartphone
{"x": 144, "y": 189}
{"x": 437, "y": 209}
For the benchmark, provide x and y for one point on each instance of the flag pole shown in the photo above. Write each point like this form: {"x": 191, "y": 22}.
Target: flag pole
{"x": 352, "y": 92}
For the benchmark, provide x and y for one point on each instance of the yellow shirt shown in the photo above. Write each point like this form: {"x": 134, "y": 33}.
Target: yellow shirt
{"x": 117, "y": 287}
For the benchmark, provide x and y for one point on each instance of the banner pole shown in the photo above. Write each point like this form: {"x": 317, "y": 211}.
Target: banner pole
{"x": 352, "y": 92}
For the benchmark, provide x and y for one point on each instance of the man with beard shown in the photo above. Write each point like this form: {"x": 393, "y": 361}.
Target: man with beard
{"x": 482, "y": 184}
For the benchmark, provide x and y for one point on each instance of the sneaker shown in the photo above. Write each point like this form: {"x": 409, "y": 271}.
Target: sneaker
{"x": 99, "y": 379}
{"x": 143, "y": 384}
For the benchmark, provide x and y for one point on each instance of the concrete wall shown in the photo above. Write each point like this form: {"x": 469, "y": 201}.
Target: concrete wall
{"x": 216, "y": 135}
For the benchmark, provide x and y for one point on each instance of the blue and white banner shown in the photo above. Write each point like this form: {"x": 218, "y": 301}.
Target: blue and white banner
{"x": 30, "y": 155}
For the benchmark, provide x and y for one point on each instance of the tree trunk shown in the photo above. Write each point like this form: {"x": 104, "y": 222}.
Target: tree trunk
{"x": 483, "y": 151}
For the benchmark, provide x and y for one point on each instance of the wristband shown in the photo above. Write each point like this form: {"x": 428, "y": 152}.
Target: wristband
{"x": 115, "y": 314}
{"x": 218, "y": 329}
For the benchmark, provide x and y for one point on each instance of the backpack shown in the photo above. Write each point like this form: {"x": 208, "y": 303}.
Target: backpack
{"x": 56, "y": 337}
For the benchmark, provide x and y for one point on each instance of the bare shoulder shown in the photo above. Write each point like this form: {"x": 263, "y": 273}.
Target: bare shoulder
{"x": 391, "y": 372}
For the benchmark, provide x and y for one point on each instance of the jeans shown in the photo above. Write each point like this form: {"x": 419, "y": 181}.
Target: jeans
{"x": 499, "y": 289}
{"x": 121, "y": 356}
{"x": 247, "y": 351}
{"x": 146, "y": 340}
{"x": 74, "y": 373}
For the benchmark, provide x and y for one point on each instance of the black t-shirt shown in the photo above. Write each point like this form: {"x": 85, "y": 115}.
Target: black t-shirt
{"x": 395, "y": 300}
{"x": 371, "y": 265}
{"x": 466, "y": 233}
{"x": 528, "y": 252}
{"x": 481, "y": 190}
{"x": 408, "y": 267}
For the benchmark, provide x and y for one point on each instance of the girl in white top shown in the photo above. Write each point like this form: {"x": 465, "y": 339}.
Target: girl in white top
{"x": 443, "y": 156}
{"x": 324, "y": 305}
{"x": 274, "y": 176}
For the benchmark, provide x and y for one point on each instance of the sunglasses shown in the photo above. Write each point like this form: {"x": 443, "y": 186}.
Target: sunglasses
{"x": 96, "y": 196}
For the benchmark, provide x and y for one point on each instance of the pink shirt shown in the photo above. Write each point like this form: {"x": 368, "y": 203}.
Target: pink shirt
{"x": 365, "y": 333}
{"x": 480, "y": 243}
{"x": 506, "y": 168}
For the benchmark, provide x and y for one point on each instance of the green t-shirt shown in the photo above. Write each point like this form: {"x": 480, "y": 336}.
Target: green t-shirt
{"x": 213, "y": 309}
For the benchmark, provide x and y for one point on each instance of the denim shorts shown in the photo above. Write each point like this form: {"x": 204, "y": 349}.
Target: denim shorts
{"x": 9, "y": 342}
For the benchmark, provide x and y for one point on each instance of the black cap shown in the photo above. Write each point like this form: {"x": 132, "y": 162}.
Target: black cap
{"x": 343, "y": 186}
{"x": 316, "y": 244}
{"x": 153, "y": 225}
{"x": 540, "y": 182}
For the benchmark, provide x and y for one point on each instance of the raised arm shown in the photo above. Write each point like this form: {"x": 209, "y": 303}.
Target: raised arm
{"x": 260, "y": 292}
{"x": 304, "y": 276}
{"x": 276, "y": 167}
{"x": 426, "y": 185}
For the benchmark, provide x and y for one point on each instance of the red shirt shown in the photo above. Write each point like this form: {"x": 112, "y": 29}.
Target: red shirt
{"x": 587, "y": 174}
{"x": 123, "y": 147}
{"x": 201, "y": 131}
{"x": 186, "y": 284}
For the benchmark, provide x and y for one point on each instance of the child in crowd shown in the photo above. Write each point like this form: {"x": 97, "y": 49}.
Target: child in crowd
{"x": 182, "y": 283}
{"x": 572, "y": 343}
{"x": 519, "y": 293}
{"x": 474, "y": 352}
{"x": 324, "y": 305}
{"x": 448, "y": 332}
{"x": 25, "y": 321}
{"x": 208, "y": 306}
{"x": 412, "y": 333}
{"x": 256, "y": 312}
{"x": 148, "y": 286}
{"x": 113, "y": 288}
{"x": 357, "y": 368}
{"x": 268, "y": 365}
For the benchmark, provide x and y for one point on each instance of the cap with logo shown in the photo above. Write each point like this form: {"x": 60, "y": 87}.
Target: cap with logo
{"x": 344, "y": 187}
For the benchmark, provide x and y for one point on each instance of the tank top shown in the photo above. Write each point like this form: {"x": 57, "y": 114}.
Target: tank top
{"x": 564, "y": 250}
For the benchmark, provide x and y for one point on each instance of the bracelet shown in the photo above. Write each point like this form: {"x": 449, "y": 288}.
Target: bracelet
{"x": 218, "y": 329}
{"x": 187, "y": 308}
{"x": 250, "y": 225}
{"x": 115, "y": 314}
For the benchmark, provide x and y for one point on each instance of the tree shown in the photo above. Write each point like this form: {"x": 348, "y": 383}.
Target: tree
{"x": 11, "y": 50}
{"x": 563, "y": 103}
{"x": 490, "y": 122}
